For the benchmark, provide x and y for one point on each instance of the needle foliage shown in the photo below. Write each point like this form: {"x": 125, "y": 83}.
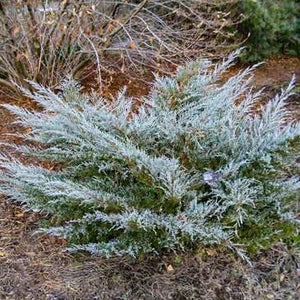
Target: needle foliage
{"x": 198, "y": 162}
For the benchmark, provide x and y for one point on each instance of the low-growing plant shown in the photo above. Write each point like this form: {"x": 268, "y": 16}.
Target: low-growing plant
{"x": 195, "y": 163}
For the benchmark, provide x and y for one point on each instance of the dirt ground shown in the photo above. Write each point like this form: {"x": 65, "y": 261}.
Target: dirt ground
{"x": 35, "y": 267}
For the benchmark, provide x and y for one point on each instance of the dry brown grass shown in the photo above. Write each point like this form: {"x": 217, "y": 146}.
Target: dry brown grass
{"x": 33, "y": 267}
{"x": 45, "y": 41}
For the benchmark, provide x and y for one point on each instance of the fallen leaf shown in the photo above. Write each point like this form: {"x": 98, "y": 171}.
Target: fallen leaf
{"x": 170, "y": 269}
{"x": 211, "y": 252}
{"x": 16, "y": 30}
{"x": 3, "y": 254}
{"x": 281, "y": 278}
{"x": 132, "y": 45}
{"x": 20, "y": 214}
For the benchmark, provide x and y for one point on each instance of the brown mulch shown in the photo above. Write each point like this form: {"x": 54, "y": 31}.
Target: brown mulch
{"x": 277, "y": 71}
{"x": 27, "y": 261}
{"x": 35, "y": 267}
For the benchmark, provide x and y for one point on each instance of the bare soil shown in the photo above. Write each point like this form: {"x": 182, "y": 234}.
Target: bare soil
{"x": 35, "y": 266}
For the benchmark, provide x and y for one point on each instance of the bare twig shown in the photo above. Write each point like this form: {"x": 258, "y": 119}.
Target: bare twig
{"x": 127, "y": 18}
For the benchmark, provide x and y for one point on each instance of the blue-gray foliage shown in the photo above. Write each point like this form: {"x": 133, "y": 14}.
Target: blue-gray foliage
{"x": 193, "y": 163}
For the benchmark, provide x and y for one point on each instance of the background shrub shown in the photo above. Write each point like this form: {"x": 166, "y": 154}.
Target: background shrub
{"x": 273, "y": 27}
{"x": 191, "y": 164}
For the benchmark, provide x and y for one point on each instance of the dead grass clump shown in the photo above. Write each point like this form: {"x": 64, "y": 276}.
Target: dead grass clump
{"x": 45, "y": 41}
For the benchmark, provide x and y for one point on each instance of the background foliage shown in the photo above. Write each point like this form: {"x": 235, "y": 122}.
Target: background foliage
{"x": 273, "y": 27}
{"x": 45, "y": 41}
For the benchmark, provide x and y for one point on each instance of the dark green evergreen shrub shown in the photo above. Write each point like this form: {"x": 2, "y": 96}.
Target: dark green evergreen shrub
{"x": 191, "y": 165}
{"x": 273, "y": 27}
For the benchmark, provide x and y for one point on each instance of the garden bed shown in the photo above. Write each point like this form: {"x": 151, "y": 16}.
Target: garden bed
{"x": 34, "y": 266}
